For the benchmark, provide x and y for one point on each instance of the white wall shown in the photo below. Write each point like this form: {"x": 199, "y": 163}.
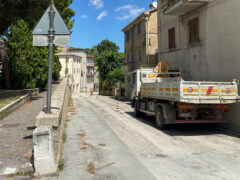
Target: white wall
{"x": 83, "y": 79}
{"x": 90, "y": 78}
{"x": 217, "y": 56}
{"x": 72, "y": 66}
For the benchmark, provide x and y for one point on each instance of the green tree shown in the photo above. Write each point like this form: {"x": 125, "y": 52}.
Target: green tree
{"x": 31, "y": 11}
{"x": 114, "y": 77}
{"x": 29, "y": 65}
{"x": 106, "y": 45}
{"x": 92, "y": 51}
{"x": 108, "y": 61}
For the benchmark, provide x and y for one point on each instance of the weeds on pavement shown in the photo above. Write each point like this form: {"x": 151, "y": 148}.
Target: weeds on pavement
{"x": 61, "y": 164}
{"x": 64, "y": 136}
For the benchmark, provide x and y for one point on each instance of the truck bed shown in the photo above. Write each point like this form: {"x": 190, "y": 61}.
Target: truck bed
{"x": 193, "y": 92}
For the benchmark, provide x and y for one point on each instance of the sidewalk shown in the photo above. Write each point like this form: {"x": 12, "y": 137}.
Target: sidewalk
{"x": 16, "y": 136}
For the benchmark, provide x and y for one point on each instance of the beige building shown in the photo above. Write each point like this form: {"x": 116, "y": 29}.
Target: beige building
{"x": 200, "y": 38}
{"x": 141, "y": 45}
{"x": 92, "y": 78}
{"x": 73, "y": 63}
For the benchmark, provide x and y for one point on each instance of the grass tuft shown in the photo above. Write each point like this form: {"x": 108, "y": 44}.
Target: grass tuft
{"x": 61, "y": 164}
{"x": 26, "y": 173}
{"x": 64, "y": 136}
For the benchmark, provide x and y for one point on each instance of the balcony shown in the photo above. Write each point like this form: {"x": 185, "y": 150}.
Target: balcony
{"x": 90, "y": 64}
{"x": 181, "y": 7}
{"x": 90, "y": 73}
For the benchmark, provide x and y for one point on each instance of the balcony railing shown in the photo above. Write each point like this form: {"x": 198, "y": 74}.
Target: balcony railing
{"x": 90, "y": 73}
{"x": 181, "y": 7}
{"x": 90, "y": 64}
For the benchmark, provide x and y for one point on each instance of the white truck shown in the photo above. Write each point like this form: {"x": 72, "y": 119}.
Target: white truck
{"x": 172, "y": 100}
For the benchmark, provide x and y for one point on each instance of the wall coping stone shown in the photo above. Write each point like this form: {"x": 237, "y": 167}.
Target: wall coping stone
{"x": 54, "y": 118}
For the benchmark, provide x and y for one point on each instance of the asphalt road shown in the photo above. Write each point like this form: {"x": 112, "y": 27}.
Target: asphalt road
{"x": 180, "y": 152}
{"x": 105, "y": 144}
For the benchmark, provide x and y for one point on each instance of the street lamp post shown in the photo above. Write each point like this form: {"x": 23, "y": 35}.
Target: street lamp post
{"x": 50, "y": 55}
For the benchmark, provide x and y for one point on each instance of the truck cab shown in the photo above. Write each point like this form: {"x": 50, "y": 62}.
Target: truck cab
{"x": 136, "y": 83}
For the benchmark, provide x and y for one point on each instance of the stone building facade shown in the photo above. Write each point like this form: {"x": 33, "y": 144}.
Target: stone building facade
{"x": 141, "y": 45}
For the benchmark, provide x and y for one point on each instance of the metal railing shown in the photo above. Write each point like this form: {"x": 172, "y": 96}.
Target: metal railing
{"x": 90, "y": 64}
{"x": 90, "y": 73}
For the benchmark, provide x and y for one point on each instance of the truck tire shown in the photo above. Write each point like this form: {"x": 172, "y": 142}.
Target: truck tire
{"x": 159, "y": 118}
{"x": 137, "y": 111}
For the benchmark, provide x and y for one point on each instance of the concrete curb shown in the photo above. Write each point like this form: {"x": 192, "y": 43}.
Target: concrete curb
{"x": 6, "y": 110}
{"x": 13, "y": 106}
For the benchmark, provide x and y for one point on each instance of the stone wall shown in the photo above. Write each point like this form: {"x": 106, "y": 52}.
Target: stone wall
{"x": 106, "y": 92}
{"x": 48, "y": 140}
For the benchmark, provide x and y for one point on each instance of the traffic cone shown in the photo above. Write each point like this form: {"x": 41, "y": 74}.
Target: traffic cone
{"x": 117, "y": 108}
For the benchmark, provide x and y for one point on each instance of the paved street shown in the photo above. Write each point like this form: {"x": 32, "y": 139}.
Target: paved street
{"x": 105, "y": 144}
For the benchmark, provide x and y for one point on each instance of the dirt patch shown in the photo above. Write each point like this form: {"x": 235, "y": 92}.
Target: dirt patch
{"x": 71, "y": 103}
{"x": 74, "y": 114}
{"x": 91, "y": 168}
{"x": 83, "y": 148}
{"x": 81, "y": 135}
{"x": 86, "y": 144}
{"x": 71, "y": 109}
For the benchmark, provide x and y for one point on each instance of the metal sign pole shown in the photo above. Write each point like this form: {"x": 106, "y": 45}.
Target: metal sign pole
{"x": 50, "y": 56}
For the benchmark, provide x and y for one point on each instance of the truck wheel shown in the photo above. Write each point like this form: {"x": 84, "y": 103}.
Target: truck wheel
{"x": 137, "y": 112}
{"x": 159, "y": 118}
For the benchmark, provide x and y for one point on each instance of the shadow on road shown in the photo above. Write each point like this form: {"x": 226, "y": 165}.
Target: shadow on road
{"x": 34, "y": 98}
{"x": 185, "y": 129}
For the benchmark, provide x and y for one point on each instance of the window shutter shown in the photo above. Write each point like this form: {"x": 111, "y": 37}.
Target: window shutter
{"x": 193, "y": 30}
{"x": 171, "y": 38}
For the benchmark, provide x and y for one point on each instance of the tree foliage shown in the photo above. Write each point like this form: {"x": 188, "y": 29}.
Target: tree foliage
{"x": 92, "y": 51}
{"x": 29, "y": 65}
{"x": 108, "y": 46}
{"x": 31, "y": 11}
{"x": 109, "y": 62}
{"x": 114, "y": 77}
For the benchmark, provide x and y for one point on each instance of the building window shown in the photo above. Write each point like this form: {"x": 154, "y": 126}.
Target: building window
{"x": 139, "y": 29}
{"x": 171, "y": 38}
{"x": 193, "y": 31}
{"x": 127, "y": 36}
{"x": 132, "y": 36}
{"x": 144, "y": 41}
{"x": 140, "y": 56}
{"x": 132, "y": 61}
{"x": 156, "y": 55}
{"x": 132, "y": 57}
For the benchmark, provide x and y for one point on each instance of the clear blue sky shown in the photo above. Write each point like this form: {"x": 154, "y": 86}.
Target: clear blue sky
{"x": 96, "y": 20}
